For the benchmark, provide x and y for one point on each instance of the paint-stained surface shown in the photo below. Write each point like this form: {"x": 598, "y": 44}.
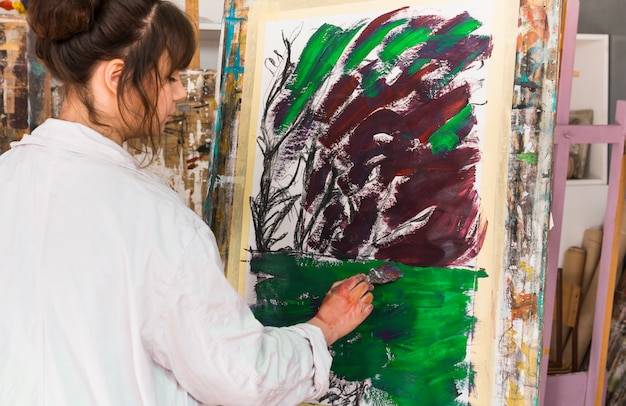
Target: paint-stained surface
{"x": 28, "y": 97}
{"x": 24, "y": 84}
{"x": 529, "y": 174}
{"x": 282, "y": 298}
{"x": 184, "y": 156}
{"x": 219, "y": 200}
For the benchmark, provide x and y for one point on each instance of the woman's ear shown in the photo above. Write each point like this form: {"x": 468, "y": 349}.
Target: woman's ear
{"x": 112, "y": 72}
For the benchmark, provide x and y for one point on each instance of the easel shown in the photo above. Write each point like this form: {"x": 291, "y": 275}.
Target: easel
{"x": 581, "y": 388}
{"x": 191, "y": 6}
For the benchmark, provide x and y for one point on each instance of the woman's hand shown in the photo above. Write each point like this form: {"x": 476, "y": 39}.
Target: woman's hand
{"x": 346, "y": 305}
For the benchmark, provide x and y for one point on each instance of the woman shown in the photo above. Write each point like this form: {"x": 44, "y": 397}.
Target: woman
{"x": 111, "y": 289}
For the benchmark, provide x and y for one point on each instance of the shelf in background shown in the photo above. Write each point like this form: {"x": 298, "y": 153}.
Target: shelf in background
{"x": 590, "y": 90}
{"x": 210, "y": 14}
{"x": 596, "y": 168}
{"x": 585, "y": 198}
{"x": 590, "y": 85}
{"x": 210, "y": 32}
{"x": 210, "y": 27}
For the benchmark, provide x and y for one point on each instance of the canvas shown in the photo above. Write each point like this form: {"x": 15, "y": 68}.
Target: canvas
{"x": 372, "y": 139}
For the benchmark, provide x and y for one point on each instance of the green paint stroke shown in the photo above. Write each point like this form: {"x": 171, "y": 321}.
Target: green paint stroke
{"x": 417, "y": 64}
{"x": 451, "y": 38}
{"x": 456, "y": 34}
{"x": 317, "y": 60}
{"x": 414, "y": 344}
{"x": 405, "y": 40}
{"x": 367, "y": 45}
{"x": 466, "y": 26}
{"x": 445, "y": 139}
{"x": 529, "y": 157}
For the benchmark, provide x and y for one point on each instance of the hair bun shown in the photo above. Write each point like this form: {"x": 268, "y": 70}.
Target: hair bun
{"x": 57, "y": 20}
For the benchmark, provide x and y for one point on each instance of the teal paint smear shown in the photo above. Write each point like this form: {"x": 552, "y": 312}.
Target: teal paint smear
{"x": 229, "y": 66}
{"x": 231, "y": 21}
{"x": 445, "y": 139}
{"x": 413, "y": 346}
{"x": 529, "y": 157}
{"x": 37, "y": 69}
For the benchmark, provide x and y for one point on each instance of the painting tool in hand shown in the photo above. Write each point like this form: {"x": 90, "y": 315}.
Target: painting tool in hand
{"x": 384, "y": 274}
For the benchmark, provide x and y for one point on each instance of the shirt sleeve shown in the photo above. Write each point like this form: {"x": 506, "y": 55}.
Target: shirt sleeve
{"x": 220, "y": 353}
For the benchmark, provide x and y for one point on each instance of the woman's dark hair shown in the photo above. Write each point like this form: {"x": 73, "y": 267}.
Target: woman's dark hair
{"x": 73, "y": 36}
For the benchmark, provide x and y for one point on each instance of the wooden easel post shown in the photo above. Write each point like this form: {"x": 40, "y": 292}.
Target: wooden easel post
{"x": 191, "y": 6}
{"x": 559, "y": 174}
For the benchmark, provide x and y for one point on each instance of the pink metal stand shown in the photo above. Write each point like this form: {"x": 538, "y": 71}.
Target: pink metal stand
{"x": 579, "y": 388}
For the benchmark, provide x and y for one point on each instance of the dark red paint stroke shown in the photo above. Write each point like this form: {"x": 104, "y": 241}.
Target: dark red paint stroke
{"x": 443, "y": 181}
{"x": 363, "y": 106}
{"x": 315, "y": 183}
{"x": 446, "y": 183}
{"x": 376, "y": 24}
{"x": 456, "y": 229}
{"x": 456, "y": 54}
{"x": 336, "y": 97}
{"x": 417, "y": 123}
{"x": 356, "y": 233}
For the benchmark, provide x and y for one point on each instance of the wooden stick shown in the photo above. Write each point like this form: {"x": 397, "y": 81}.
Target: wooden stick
{"x": 559, "y": 318}
{"x": 191, "y": 6}
{"x": 601, "y": 389}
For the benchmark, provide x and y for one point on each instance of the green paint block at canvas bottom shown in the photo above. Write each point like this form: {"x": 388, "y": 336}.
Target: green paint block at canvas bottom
{"x": 412, "y": 349}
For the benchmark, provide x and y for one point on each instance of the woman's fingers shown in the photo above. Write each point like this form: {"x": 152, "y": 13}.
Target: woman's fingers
{"x": 345, "y": 306}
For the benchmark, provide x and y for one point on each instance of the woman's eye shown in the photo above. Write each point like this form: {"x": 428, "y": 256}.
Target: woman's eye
{"x": 173, "y": 79}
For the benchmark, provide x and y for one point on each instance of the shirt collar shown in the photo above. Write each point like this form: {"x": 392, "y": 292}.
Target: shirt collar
{"x": 78, "y": 138}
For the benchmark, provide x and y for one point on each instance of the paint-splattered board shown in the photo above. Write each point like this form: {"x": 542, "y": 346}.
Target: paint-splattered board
{"x": 219, "y": 204}
{"x": 24, "y": 84}
{"x": 528, "y": 201}
{"x": 184, "y": 154}
{"x": 512, "y": 325}
{"x": 28, "y": 97}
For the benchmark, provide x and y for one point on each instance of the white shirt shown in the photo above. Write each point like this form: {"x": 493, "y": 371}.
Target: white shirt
{"x": 112, "y": 291}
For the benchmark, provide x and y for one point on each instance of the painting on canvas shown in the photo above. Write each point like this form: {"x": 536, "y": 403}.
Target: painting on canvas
{"x": 371, "y": 137}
